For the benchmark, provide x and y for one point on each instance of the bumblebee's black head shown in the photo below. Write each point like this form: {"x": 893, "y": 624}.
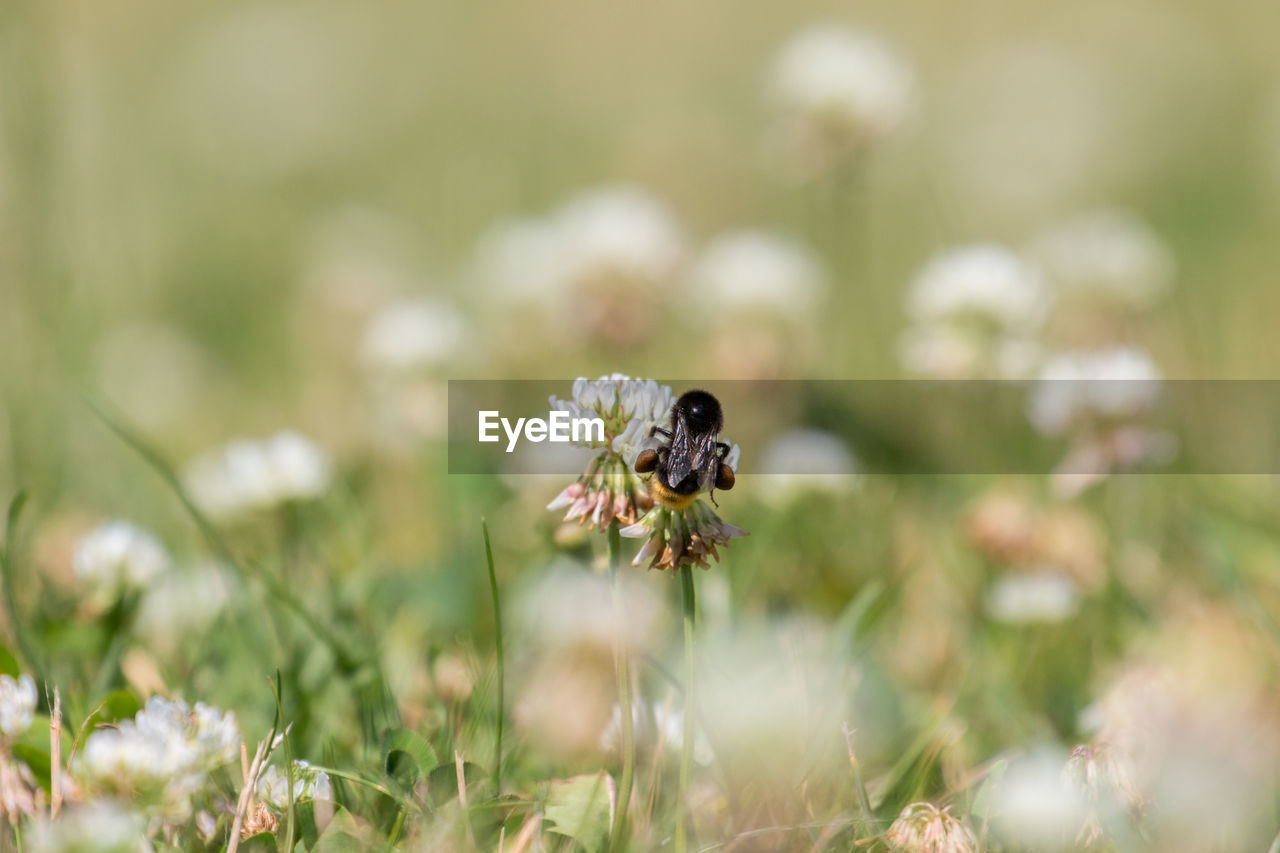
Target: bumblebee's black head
{"x": 700, "y": 411}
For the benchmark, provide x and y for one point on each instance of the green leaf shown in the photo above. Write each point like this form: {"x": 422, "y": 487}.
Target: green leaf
{"x": 8, "y": 663}
{"x": 344, "y": 835}
{"x": 404, "y": 750}
{"x": 35, "y": 758}
{"x": 116, "y": 705}
{"x": 442, "y": 783}
{"x": 579, "y": 808}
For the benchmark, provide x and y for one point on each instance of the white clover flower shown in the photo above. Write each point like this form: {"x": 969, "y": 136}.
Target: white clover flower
{"x": 756, "y": 271}
{"x": 609, "y": 488}
{"x": 17, "y": 704}
{"x": 984, "y": 283}
{"x": 843, "y": 87}
{"x": 118, "y": 555}
{"x": 618, "y": 234}
{"x": 1075, "y": 389}
{"x": 248, "y": 475}
{"x": 309, "y": 783}
{"x": 96, "y": 826}
{"x": 629, "y": 408}
{"x": 1108, "y": 255}
{"x": 161, "y": 757}
{"x": 1044, "y": 595}
{"x": 413, "y": 334}
{"x": 806, "y": 460}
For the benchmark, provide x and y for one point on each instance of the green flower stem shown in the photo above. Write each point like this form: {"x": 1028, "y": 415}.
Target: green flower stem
{"x": 618, "y": 834}
{"x": 690, "y": 710}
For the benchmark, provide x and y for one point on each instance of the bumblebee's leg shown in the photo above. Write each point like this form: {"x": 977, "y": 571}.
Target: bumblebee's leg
{"x": 722, "y": 449}
{"x": 646, "y": 461}
{"x": 665, "y": 433}
{"x": 724, "y": 477}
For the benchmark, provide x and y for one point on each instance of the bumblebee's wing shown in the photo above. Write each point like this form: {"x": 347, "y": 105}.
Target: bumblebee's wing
{"x": 706, "y": 461}
{"x": 681, "y": 460}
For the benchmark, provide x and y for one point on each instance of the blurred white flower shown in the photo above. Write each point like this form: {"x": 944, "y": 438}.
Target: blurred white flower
{"x": 309, "y": 783}
{"x": 975, "y": 312}
{"x": 96, "y": 826}
{"x": 618, "y": 234}
{"x": 1108, "y": 256}
{"x": 160, "y": 758}
{"x": 1076, "y": 389}
{"x": 1104, "y": 781}
{"x": 773, "y": 695}
{"x": 1044, "y": 595}
{"x": 183, "y": 604}
{"x": 986, "y": 283}
{"x": 1034, "y": 807}
{"x": 839, "y": 90}
{"x": 247, "y": 475}
{"x": 751, "y": 271}
{"x": 668, "y": 724}
{"x": 413, "y": 334}
{"x": 569, "y": 606}
{"x": 806, "y": 461}
{"x": 17, "y": 704}
{"x": 118, "y": 556}
{"x": 519, "y": 261}
{"x": 1197, "y": 732}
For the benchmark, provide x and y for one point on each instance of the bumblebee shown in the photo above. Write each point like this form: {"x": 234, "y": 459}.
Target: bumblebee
{"x": 692, "y": 460}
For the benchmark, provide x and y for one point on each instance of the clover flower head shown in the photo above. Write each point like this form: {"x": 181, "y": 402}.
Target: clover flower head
{"x": 681, "y": 537}
{"x": 840, "y": 90}
{"x": 925, "y": 828}
{"x": 309, "y": 783}
{"x": 117, "y": 556}
{"x": 609, "y": 488}
{"x": 258, "y": 474}
{"x": 618, "y": 235}
{"x": 985, "y": 283}
{"x": 17, "y": 704}
{"x": 1078, "y": 389}
{"x": 1104, "y": 780}
{"x": 160, "y": 758}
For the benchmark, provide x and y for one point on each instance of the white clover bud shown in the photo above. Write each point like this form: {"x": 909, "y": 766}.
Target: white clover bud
{"x": 309, "y": 783}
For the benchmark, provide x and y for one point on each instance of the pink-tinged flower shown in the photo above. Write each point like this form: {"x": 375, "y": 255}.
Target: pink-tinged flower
{"x": 681, "y": 537}
{"x": 609, "y": 488}
{"x": 925, "y": 828}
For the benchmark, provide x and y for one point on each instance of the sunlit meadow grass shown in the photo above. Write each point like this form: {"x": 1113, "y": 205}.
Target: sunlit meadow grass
{"x": 247, "y": 607}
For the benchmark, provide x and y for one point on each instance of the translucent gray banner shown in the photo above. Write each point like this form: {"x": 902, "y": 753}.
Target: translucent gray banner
{"x": 910, "y": 426}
